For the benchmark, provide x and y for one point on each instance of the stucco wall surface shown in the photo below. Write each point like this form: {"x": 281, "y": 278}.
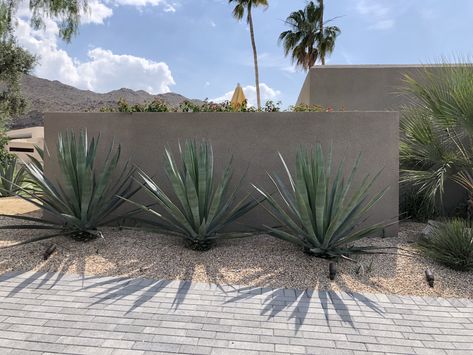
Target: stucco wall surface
{"x": 254, "y": 140}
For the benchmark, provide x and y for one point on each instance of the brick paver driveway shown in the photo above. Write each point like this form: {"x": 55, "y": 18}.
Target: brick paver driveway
{"x": 56, "y": 313}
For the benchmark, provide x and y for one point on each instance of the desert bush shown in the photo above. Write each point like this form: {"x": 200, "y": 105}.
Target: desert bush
{"x": 153, "y": 106}
{"x": 12, "y": 176}
{"x": 85, "y": 194}
{"x": 309, "y": 108}
{"x": 437, "y": 130}
{"x": 204, "y": 205}
{"x": 206, "y": 106}
{"x": 271, "y": 106}
{"x": 188, "y": 106}
{"x": 416, "y": 206}
{"x": 450, "y": 243}
{"x": 4, "y": 154}
{"x": 320, "y": 211}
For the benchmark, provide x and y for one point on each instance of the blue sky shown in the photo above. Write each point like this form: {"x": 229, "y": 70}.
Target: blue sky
{"x": 196, "y": 48}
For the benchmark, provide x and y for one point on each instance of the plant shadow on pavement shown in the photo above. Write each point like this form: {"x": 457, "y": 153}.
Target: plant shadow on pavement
{"x": 333, "y": 304}
{"x": 291, "y": 303}
{"x": 145, "y": 263}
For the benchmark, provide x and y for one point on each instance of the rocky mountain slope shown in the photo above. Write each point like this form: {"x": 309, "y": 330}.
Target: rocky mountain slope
{"x": 53, "y": 96}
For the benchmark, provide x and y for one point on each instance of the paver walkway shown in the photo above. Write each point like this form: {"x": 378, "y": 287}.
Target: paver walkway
{"x": 58, "y": 313}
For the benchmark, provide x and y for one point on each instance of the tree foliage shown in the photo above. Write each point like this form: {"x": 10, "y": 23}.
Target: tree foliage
{"x": 65, "y": 12}
{"x": 308, "y": 40}
{"x": 14, "y": 62}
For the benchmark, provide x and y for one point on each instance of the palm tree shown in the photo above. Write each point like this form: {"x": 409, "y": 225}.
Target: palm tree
{"x": 437, "y": 131}
{"x": 309, "y": 39}
{"x": 238, "y": 13}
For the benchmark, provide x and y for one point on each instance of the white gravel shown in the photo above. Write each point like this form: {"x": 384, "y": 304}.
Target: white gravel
{"x": 256, "y": 261}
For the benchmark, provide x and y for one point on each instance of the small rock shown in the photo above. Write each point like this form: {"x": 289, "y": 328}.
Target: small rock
{"x": 428, "y": 229}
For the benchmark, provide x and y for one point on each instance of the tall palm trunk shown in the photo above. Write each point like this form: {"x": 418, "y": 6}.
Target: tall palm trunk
{"x": 255, "y": 57}
{"x": 322, "y": 53}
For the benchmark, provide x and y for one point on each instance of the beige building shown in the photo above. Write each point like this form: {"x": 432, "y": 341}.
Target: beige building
{"x": 23, "y": 142}
{"x": 360, "y": 87}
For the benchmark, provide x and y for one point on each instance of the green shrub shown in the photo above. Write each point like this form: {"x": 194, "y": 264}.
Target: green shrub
{"x": 206, "y": 106}
{"x": 12, "y": 176}
{"x": 451, "y": 244}
{"x": 153, "y": 106}
{"x": 437, "y": 130}
{"x": 204, "y": 206}
{"x": 85, "y": 194}
{"x": 416, "y": 206}
{"x": 271, "y": 106}
{"x": 319, "y": 211}
{"x": 309, "y": 108}
{"x": 4, "y": 154}
{"x": 188, "y": 106}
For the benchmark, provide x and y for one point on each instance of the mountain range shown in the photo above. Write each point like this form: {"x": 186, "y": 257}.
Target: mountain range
{"x": 53, "y": 96}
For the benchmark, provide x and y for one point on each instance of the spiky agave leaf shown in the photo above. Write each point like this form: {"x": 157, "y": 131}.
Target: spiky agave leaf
{"x": 12, "y": 175}
{"x": 321, "y": 211}
{"x": 203, "y": 206}
{"x": 86, "y": 194}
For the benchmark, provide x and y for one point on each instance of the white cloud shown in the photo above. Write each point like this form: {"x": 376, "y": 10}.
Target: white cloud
{"x": 96, "y": 13}
{"x": 167, "y": 6}
{"x": 170, "y": 8}
{"x": 106, "y": 71}
{"x": 267, "y": 93}
{"x": 383, "y": 24}
{"x": 377, "y": 12}
{"x": 103, "y": 71}
{"x": 273, "y": 61}
{"x": 371, "y": 8}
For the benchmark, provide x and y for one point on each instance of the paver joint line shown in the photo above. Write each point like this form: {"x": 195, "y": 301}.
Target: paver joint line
{"x": 41, "y": 312}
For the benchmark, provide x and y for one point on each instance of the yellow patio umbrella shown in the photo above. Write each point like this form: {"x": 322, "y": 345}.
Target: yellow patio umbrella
{"x": 238, "y": 98}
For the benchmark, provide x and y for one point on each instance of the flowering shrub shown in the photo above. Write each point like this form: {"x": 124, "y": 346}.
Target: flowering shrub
{"x": 206, "y": 106}
{"x": 124, "y": 106}
{"x": 188, "y": 106}
{"x": 209, "y": 106}
{"x": 272, "y": 106}
{"x": 310, "y": 108}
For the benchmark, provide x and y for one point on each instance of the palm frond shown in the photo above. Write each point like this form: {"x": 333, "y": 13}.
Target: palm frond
{"x": 437, "y": 129}
{"x": 308, "y": 39}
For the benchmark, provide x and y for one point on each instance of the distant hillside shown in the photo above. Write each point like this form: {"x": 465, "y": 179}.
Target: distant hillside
{"x": 53, "y": 96}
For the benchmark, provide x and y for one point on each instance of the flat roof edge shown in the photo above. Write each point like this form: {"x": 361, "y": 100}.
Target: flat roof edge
{"x": 375, "y": 66}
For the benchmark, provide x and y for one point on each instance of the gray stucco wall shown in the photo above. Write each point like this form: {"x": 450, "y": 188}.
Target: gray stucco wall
{"x": 359, "y": 87}
{"x": 253, "y": 139}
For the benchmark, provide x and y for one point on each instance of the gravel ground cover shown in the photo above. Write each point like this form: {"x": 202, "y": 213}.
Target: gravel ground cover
{"x": 257, "y": 261}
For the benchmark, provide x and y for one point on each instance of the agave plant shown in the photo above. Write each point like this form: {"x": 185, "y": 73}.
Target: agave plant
{"x": 86, "y": 194}
{"x": 451, "y": 244}
{"x": 12, "y": 175}
{"x": 320, "y": 212}
{"x": 204, "y": 206}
